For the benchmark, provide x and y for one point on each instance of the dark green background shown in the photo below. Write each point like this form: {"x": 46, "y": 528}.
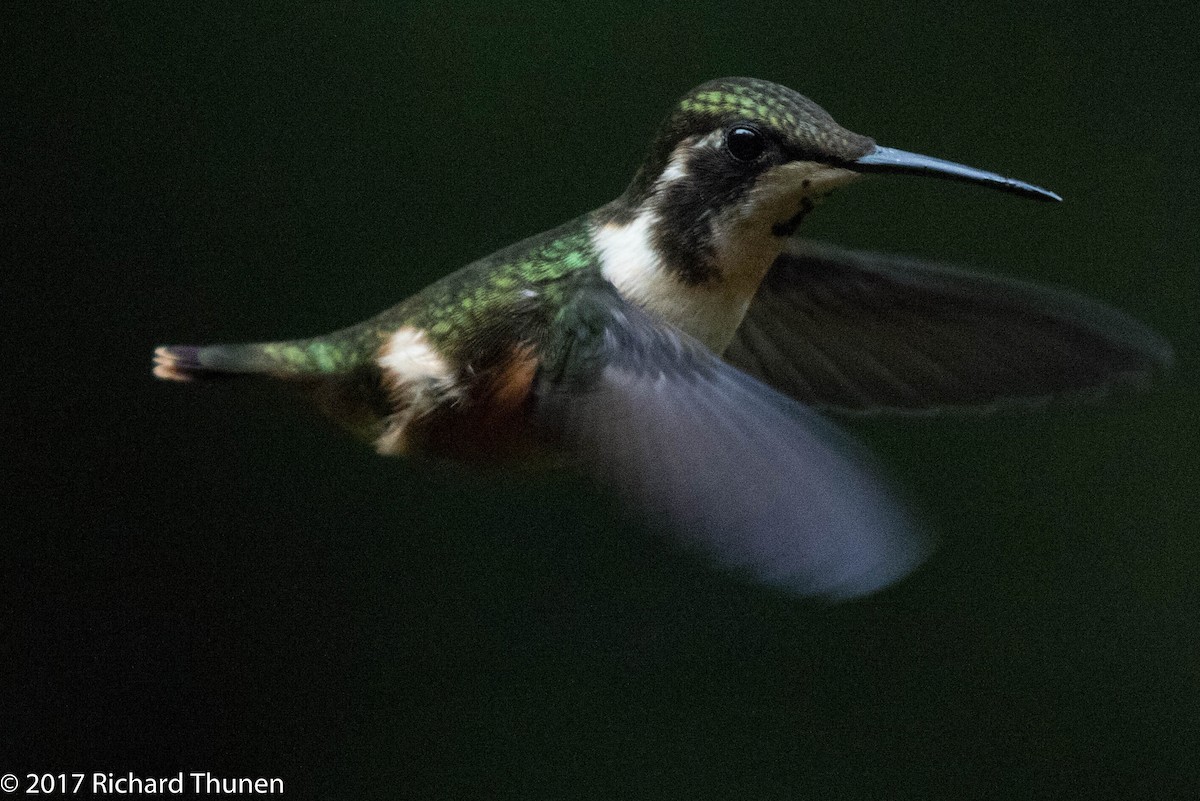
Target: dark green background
{"x": 211, "y": 578}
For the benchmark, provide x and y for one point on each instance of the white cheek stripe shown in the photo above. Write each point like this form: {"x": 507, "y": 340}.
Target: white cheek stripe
{"x": 628, "y": 258}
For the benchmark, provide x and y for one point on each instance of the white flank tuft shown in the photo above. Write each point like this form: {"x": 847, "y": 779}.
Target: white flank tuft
{"x": 418, "y": 379}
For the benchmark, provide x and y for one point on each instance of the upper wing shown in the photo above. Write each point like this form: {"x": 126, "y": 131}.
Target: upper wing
{"x": 869, "y": 332}
{"x": 726, "y": 463}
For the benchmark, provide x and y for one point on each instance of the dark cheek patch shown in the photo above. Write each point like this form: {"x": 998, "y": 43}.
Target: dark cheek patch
{"x": 683, "y": 235}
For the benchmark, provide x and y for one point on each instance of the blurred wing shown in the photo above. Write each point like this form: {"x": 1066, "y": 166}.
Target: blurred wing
{"x": 868, "y": 332}
{"x": 730, "y": 466}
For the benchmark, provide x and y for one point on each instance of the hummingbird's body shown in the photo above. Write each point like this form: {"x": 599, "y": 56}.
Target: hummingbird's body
{"x": 446, "y": 372}
{"x": 601, "y": 341}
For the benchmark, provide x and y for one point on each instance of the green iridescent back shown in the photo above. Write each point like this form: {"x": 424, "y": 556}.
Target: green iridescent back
{"x": 501, "y": 289}
{"x": 510, "y": 294}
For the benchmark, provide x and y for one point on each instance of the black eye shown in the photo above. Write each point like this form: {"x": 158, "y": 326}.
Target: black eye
{"x": 745, "y": 143}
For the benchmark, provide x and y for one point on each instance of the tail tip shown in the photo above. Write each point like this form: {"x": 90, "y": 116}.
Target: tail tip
{"x": 177, "y": 363}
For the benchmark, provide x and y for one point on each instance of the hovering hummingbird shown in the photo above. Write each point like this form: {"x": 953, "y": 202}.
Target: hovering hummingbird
{"x": 676, "y": 341}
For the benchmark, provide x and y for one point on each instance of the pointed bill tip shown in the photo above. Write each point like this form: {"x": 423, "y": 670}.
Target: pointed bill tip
{"x": 891, "y": 160}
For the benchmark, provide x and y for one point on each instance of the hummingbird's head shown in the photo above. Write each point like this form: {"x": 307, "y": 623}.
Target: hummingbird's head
{"x": 730, "y": 175}
{"x": 737, "y": 165}
{"x": 733, "y": 135}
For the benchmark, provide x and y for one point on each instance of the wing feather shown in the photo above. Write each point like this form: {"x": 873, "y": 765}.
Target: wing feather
{"x": 867, "y": 332}
{"x": 721, "y": 461}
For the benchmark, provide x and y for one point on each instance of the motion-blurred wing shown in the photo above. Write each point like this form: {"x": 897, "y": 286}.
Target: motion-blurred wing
{"x": 868, "y": 332}
{"x": 726, "y": 463}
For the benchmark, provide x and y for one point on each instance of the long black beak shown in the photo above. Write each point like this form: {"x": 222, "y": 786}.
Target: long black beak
{"x": 889, "y": 159}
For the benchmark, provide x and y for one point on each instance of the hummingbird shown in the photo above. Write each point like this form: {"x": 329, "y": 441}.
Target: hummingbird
{"x": 681, "y": 345}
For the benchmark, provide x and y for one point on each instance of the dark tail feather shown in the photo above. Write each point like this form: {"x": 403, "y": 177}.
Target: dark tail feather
{"x": 192, "y": 363}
